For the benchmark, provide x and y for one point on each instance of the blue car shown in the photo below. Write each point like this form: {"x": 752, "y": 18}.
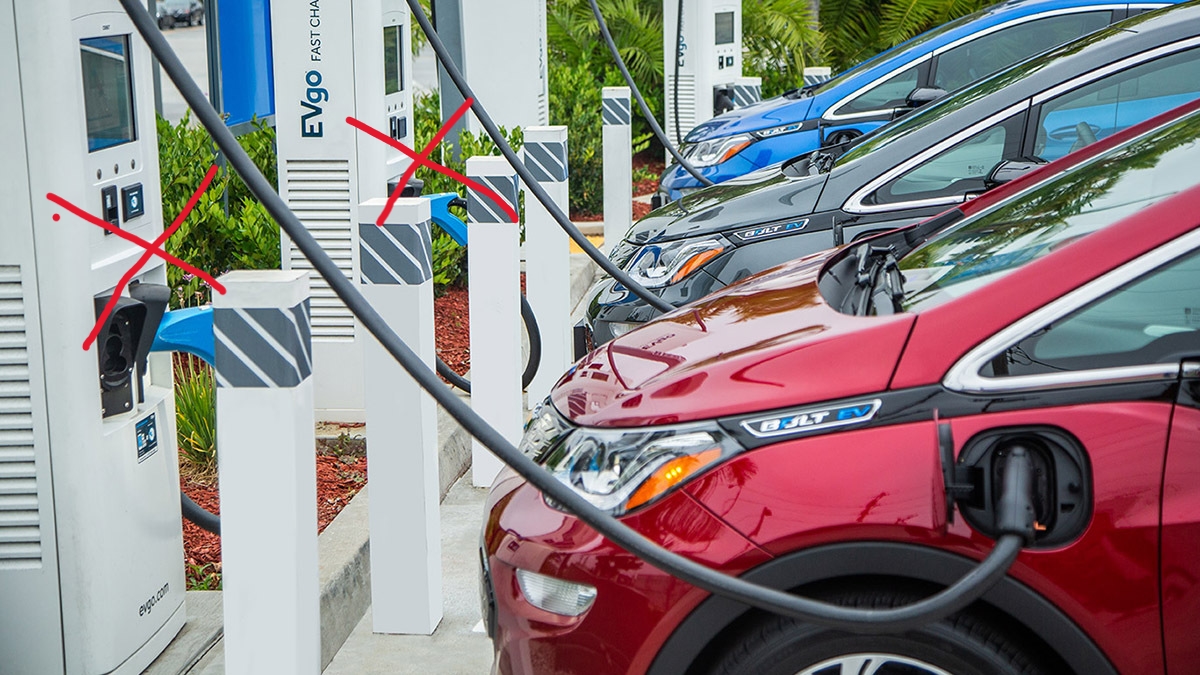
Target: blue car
{"x": 884, "y": 87}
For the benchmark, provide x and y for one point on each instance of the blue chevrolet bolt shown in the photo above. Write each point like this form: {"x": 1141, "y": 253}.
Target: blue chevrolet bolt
{"x": 880, "y": 89}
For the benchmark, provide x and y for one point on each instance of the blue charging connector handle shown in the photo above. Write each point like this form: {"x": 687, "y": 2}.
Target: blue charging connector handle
{"x": 439, "y": 206}
{"x": 187, "y": 330}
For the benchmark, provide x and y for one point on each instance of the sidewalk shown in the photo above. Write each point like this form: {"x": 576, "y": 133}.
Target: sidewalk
{"x": 458, "y": 646}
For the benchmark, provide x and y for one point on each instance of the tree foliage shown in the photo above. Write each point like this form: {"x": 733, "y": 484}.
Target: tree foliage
{"x": 855, "y": 30}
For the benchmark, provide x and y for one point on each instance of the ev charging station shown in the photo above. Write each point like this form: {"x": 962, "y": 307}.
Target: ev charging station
{"x": 90, "y": 542}
{"x": 328, "y": 67}
{"x": 708, "y": 51}
{"x": 501, "y": 49}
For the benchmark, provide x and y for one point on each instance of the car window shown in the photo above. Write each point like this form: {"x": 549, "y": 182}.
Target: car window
{"x": 1085, "y": 198}
{"x": 956, "y": 171}
{"x": 1116, "y": 102}
{"x": 991, "y": 53}
{"x": 891, "y": 93}
{"x": 1155, "y": 319}
{"x": 931, "y": 113}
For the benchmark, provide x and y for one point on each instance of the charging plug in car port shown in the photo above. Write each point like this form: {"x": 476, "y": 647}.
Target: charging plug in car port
{"x": 1061, "y": 486}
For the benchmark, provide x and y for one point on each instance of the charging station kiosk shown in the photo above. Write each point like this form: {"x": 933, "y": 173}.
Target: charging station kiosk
{"x": 709, "y": 56}
{"x": 333, "y": 61}
{"x": 500, "y": 47}
{"x": 91, "y": 548}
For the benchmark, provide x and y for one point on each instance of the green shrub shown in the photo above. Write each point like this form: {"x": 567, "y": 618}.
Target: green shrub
{"x": 228, "y": 229}
{"x": 196, "y": 414}
{"x": 449, "y": 259}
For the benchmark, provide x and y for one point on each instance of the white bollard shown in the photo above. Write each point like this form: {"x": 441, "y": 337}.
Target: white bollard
{"x": 493, "y": 273}
{"x": 268, "y": 473}
{"x": 547, "y": 256}
{"x": 618, "y": 165}
{"x": 747, "y": 91}
{"x": 406, "y": 548}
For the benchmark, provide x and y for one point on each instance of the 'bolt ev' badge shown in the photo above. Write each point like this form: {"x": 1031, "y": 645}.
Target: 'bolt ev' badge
{"x": 812, "y": 419}
{"x": 771, "y": 230}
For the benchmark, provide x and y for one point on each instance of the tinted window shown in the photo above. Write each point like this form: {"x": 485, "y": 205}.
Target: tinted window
{"x": 956, "y": 171}
{"x": 992, "y": 53}
{"x": 1116, "y": 102}
{"x": 1155, "y": 319}
{"x": 891, "y": 93}
{"x": 979, "y": 249}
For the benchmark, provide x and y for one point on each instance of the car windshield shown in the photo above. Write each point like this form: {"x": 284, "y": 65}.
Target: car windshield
{"x": 1086, "y": 198}
{"x": 917, "y": 41}
{"x": 933, "y": 112}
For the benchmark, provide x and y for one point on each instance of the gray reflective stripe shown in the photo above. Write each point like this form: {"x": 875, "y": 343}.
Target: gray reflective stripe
{"x": 616, "y": 110}
{"x": 262, "y": 347}
{"x": 482, "y": 208}
{"x": 810, "y": 80}
{"x": 395, "y": 253}
{"x": 745, "y": 94}
{"x": 547, "y": 161}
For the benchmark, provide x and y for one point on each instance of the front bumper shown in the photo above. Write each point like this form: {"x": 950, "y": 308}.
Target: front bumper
{"x": 612, "y": 310}
{"x": 637, "y": 606}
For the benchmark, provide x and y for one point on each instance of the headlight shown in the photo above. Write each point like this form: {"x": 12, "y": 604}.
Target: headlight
{"x": 717, "y": 150}
{"x": 657, "y": 265}
{"x": 542, "y": 431}
{"x": 621, "y": 469}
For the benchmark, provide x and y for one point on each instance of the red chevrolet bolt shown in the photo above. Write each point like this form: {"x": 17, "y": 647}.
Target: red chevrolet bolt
{"x": 834, "y": 427}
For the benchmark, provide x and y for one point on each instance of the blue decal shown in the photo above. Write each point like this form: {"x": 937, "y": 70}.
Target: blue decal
{"x": 147, "y": 437}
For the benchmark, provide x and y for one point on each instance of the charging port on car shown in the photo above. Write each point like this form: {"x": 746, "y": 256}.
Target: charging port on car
{"x": 1062, "y": 493}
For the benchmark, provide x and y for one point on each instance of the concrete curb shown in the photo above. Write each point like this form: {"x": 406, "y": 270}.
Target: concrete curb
{"x": 343, "y": 550}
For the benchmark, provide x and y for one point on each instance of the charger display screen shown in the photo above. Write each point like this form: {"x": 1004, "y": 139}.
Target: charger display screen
{"x": 393, "y": 72}
{"x": 107, "y": 91}
{"x": 725, "y": 28}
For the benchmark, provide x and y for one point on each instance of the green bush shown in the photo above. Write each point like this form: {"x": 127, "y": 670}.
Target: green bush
{"x": 449, "y": 259}
{"x": 228, "y": 229}
{"x": 196, "y": 414}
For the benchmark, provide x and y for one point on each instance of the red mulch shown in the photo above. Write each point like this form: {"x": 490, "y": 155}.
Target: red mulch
{"x": 652, "y": 162}
{"x": 640, "y": 210}
{"x": 451, "y": 317}
{"x": 339, "y": 478}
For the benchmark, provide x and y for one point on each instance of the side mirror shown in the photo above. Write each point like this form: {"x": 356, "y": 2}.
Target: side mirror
{"x": 1007, "y": 170}
{"x": 922, "y": 95}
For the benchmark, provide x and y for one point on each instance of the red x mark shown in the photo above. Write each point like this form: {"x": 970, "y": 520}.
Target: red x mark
{"x": 152, "y": 249}
{"x": 423, "y": 159}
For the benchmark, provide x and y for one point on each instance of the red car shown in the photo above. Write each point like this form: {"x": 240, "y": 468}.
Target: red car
{"x": 790, "y": 430}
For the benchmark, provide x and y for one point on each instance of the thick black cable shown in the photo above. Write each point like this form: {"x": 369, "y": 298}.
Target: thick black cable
{"x": 531, "y": 365}
{"x": 538, "y": 191}
{"x": 678, "y": 40}
{"x": 199, "y": 515}
{"x": 899, "y": 619}
{"x": 637, "y": 95}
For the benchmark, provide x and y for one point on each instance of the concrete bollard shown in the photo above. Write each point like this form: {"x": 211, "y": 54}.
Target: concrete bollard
{"x": 547, "y": 256}
{"x": 747, "y": 91}
{"x": 493, "y": 273}
{"x": 618, "y": 164}
{"x": 406, "y": 547}
{"x": 268, "y": 473}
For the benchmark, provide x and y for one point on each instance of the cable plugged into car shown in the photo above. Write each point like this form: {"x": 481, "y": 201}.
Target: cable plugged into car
{"x": 1047, "y": 462}
{"x": 1015, "y": 530}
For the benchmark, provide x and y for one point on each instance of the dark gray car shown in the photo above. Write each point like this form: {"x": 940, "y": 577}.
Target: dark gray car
{"x": 908, "y": 171}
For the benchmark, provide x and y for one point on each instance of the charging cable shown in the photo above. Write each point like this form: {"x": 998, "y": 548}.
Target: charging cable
{"x": 871, "y": 621}
{"x": 637, "y": 93}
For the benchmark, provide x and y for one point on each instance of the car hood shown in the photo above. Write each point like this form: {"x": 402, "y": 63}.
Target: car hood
{"x": 768, "y": 342}
{"x": 765, "y": 114}
{"x": 759, "y": 197}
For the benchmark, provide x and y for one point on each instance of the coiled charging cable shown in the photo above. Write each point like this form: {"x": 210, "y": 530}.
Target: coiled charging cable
{"x": 962, "y": 593}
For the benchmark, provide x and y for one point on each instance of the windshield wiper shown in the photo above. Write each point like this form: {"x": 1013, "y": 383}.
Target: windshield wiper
{"x": 876, "y": 277}
{"x": 821, "y": 161}
{"x": 800, "y": 92}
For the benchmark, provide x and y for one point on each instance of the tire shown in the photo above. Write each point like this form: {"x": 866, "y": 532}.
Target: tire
{"x": 962, "y": 644}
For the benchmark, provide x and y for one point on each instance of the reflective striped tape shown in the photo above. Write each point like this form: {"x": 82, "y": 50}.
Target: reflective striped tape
{"x": 546, "y": 161}
{"x": 263, "y": 348}
{"x": 398, "y": 254}
{"x": 746, "y": 94}
{"x": 616, "y": 109}
{"x": 483, "y": 209}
